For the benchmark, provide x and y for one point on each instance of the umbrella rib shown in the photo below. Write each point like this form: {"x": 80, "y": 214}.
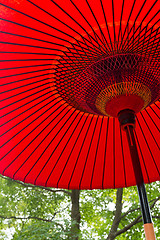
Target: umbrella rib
{"x": 114, "y": 24}
{"x": 62, "y": 153}
{"x": 105, "y": 153}
{"x": 148, "y": 147}
{"x": 45, "y": 33}
{"x": 150, "y": 131}
{"x": 91, "y": 119}
{"x": 84, "y": 39}
{"x": 140, "y": 25}
{"x": 4, "y": 115}
{"x": 95, "y": 158}
{"x": 54, "y": 49}
{"x": 19, "y": 74}
{"x": 39, "y": 59}
{"x": 28, "y": 123}
{"x": 157, "y": 106}
{"x": 27, "y": 60}
{"x": 73, "y": 61}
{"x": 49, "y": 145}
{"x": 152, "y": 119}
{"x": 137, "y": 17}
{"x": 35, "y": 53}
{"x": 143, "y": 36}
{"x": 21, "y": 80}
{"x": 35, "y": 138}
{"x": 95, "y": 34}
{"x": 31, "y": 66}
{"x": 34, "y": 29}
{"x": 126, "y": 28}
{"x": 154, "y": 112}
{"x": 150, "y": 50}
{"x": 72, "y": 147}
{"x": 106, "y": 24}
{"x": 28, "y": 90}
{"x": 23, "y": 149}
{"x": 151, "y": 39}
{"x": 84, "y": 167}
{"x": 102, "y": 34}
{"x": 50, "y": 54}
{"x": 63, "y": 65}
{"x": 32, "y": 38}
{"x": 120, "y": 27}
{"x": 141, "y": 47}
{"x": 139, "y": 146}
{"x": 39, "y": 102}
{"x": 92, "y": 76}
{"x": 124, "y": 167}
{"x": 33, "y": 46}
{"x": 41, "y": 141}
{"x": 39, "y": 22}
{"x": 27, "y": 116}
{"x": 54, "y": 43}
{"x": 114, "y": 180}
{"x": 27, "y": 66}
{"x": 67, "y": 60}
{"x": 21, "y": 100}
{"x": 86, "y": 77}
{"x": 133, "y": 39}
{"x": 107, "y": 28}
{"x": 135, "y": 47}
{"x": 147, "y": 71}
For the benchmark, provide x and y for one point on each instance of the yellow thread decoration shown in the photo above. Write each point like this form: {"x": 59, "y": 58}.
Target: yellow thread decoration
{"x": 125, "y": 89}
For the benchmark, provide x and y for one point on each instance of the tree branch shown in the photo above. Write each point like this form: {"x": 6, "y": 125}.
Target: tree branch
{"x": 154, "y": 202}
{"x": 117, "y": 216}
{"x": 156, "y": 217}
{"x": 129, "y": 226}
{"x": 129, "y": 211}
{"x": 138, "y": 208}
{"x": 29, "y": 218}
{"x": 26, "y": 218}
{"x": 139, "y": 218}
{"x": 36, "y": 187}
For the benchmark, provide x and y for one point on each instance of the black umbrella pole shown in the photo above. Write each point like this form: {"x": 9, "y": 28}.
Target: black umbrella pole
{"x": 127, "y": 121}
{"x": 145, "y": 209}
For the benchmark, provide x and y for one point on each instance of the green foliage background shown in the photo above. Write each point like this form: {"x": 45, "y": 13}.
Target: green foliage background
{"x": 34, "y": 213}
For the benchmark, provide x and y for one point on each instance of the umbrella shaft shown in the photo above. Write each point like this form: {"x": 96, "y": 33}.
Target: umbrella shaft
{"x": 138, "y": 175}
{"x": 134, "y": 155}
{"x": 145, "y": 209}
{"x": 146, "y": 215}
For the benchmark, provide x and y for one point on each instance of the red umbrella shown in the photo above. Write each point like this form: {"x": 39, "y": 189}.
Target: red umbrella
{"x": 70, "y": 72}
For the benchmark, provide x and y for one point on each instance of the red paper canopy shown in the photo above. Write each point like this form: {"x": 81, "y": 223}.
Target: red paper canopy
{"x": 57, "y": 58}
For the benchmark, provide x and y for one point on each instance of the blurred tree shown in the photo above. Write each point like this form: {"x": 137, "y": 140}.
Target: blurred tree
{"x": 39, "y": 213}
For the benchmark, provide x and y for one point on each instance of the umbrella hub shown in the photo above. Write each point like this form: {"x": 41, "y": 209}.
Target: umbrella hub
{"x": 121, "y": 96}
{"x": 110, "y": 85}
{"x": 126, "y": 118}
